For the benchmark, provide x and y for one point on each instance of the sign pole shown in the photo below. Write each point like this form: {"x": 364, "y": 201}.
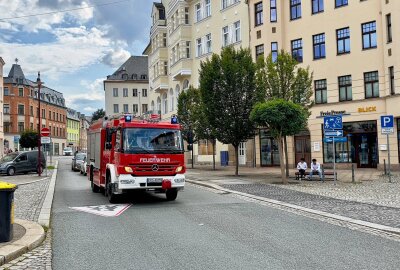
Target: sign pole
{"x": 334, "y": 161}
{"x": 388, "y": 148}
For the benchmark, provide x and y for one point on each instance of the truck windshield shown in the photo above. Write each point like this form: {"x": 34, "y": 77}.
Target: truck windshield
{"x": 152, "y": 140}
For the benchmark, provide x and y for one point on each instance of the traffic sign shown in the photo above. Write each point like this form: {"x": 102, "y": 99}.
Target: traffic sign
{"x": 333, "y": 133}
{"x": 333, "y": 122}
{"x": 45, "y": 140}
{"x": 337, "y": 139}
{"x": 387, "y": 124}
{"x": 45, "y": 132}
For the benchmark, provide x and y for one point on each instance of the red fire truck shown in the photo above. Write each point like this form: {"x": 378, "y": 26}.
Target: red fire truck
{"x": 126, "y": 153}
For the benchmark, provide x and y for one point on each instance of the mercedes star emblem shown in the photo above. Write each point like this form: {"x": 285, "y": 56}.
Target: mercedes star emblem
{"x": 154, "y": 167}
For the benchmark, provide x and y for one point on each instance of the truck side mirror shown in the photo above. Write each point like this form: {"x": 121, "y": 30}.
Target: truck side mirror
{"x": 190, "y": 147}
{"x": 108, "y": 145}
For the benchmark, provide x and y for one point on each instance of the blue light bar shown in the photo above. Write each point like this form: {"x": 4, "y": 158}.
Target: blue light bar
{"x": 174, "y": 120}
{"x": 128, "y": 118}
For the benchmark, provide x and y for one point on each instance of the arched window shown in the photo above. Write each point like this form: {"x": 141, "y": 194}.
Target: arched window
{"x": 158, "y": 105}
{"x": 177, "y": 92}
{"x": 152, "y": 106}
{"x": 185, "y": 84}
{"x": 171, "y": 98}
{"x": 165, "y": 103}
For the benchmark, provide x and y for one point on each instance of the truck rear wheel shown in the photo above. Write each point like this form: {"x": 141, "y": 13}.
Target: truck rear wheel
{"x": 171, "y": 194}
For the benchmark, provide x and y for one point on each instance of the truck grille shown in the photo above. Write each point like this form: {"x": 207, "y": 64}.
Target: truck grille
{"x": 154, "y": 168}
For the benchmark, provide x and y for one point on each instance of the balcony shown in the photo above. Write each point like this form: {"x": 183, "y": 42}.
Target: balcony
{"x": 160, "y": 53}
{"x": 181, "y": 32}
{"x": 181, "y": 69}
{"x": 160, "y": 83}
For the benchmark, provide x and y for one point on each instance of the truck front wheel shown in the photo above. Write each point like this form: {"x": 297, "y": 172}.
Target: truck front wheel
{"x": 112, "y": 198}
{"x": 171, "y": 194}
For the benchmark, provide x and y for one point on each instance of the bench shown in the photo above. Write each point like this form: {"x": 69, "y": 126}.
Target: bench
{"x": 324, "y": 174}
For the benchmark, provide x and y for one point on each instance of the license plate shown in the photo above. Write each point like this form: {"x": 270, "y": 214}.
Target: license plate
{"x": 154, "y": 180}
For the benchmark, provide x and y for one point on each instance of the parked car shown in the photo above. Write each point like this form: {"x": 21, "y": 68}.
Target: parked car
{"x": 77, "y": 160}
{"x": 21, "y": 162}
{"x": 83, "y": 165}
{"x": 67, "y": 151}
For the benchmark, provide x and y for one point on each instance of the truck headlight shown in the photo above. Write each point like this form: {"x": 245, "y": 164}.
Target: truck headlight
{"x": 179, "y": 169}
{"x": 128, "y": 170}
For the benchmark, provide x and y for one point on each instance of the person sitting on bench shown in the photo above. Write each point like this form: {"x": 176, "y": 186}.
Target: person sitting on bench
{"x": 315, "y": 168}
{"x": 302, "y": 167}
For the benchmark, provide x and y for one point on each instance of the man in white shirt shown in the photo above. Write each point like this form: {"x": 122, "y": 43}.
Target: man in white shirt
{"x": 302, "y": 167}
{"x": 315, "y": 168}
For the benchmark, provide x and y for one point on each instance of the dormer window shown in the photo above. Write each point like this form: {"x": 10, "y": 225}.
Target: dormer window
{"x": 125, "y": 76}
{"x": 134, "y": 76}
{"x": 143, "y": 77}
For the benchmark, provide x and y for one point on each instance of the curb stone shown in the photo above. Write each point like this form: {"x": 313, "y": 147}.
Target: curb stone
{"x": 33, "y": 237}
{"x": 45, "y": 212}
{"x": 300, "y": 208}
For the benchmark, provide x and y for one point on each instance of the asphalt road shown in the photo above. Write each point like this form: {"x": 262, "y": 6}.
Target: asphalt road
{"x": 201, "y": 230}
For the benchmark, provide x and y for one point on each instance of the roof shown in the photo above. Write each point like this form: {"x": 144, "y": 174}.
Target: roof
{"x": 158, "y": 5}
{"x": 135, "y": 68}
{"x": 72, "y": 114}
{"x": 51, "y": 96}
{"x": 16, "y": 76}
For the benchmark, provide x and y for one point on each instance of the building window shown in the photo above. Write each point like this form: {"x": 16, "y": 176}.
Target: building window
{"x": 317, "y": 6}
{"x": 144, "y": 92}
{"x": 369, "y": 35}
{"x": 134, "y": 92}
{"x": 21, "y": 126}
{"x": 165, "y": 67}
{"x": 125, "y": 92}
{"x": 144, "y": 108}
{"x": 237, "y": 31}
{"x": 198, "y": 12}
{"x": 21, "y": 92}
{"x": 21, "y": 109}
{"x": 49, "y": 113}
{"x": 274, "y": 51}
{"x": 31, "y": 126}
{"x": 6, "y": 108}
{"x": 343, "y": 40}
{"x": 297, "y": 49}
{"x": 391, "y": 80}
{"x": 115, "y": 92}
{"x": 340, "y": 3}
{"x": 125, "y": 108}
{"x": 135, "y": 108}
{"x": 186, "y": 18}
{"x": 389, "y": 27}
{"x": 272, "y": 11}
{"x": 225, "y": 36}
{"x": 208, "y": 43}
{"x": 164, "y": 39}
{"x": 54, "y": 116}
{"x": 116, "y": 109}
{"x": 295, "y": 9}
{"x": 228, "y": 3}
{"x": 321, "y": 95}
{"x": 6, "y": 91}
{"x": 319, "y": 46}
{"x": 259, "y": 50}
{"x": 7, "y": 127}
{"x": 371, "y": 84}
{"x": 345, "y": 88}
{"x": 43, "y": 114}
{"x": 165, "y": 103}
{"x": 198, "y": 47}
{"x": 205, "y": 147}
{"x": 258, "y": 16}
{"x": 208, "y": 8}
{"x": 188, "y": 49}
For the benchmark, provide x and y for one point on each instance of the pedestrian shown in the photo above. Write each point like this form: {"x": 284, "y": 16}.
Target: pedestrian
{"x": 315, "y": 168}
{"x": 302, "y": 167}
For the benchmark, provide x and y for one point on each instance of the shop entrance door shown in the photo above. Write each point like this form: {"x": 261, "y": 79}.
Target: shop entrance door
{"x": 303, "y": 149}
{"x": 366, "y": 151}
{"x": 242, "y": 153}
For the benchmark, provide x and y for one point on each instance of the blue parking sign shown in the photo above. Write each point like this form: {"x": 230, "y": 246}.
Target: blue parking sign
{"x": 387, "y": 121}
{"x": 333, "y": 122}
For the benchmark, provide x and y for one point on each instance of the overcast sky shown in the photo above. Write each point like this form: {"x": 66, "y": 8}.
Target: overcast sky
{"x": 75, "y": 50}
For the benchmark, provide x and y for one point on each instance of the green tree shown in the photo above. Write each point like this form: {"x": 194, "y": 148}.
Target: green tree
{"x": 100, "y": 113}
{"x": 29, "y": 139}
{"x": 188, "y": 110}
{"x": 284, "y": 79}
{"x": 282, "y": 118}
{"x": 229, "y": 92}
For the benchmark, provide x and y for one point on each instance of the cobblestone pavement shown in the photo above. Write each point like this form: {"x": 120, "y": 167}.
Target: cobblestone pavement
{"x": 28, "y": 201}
{"x": 389, "y": 216}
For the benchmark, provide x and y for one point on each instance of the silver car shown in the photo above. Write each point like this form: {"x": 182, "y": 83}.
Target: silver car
{"x": 77, "y": 161}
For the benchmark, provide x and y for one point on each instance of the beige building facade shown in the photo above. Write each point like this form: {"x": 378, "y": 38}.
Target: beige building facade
{"x": 183, "y": 34}
{"x": 352, "y": 49}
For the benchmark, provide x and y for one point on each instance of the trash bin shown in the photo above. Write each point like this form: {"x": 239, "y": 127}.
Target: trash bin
{"x": 6, "y": 211}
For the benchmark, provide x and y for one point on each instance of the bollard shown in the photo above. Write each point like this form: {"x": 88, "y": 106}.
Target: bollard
{"x": 384, "y": 166}
{"x": 353, "y": 180}
{"x": 323, "y": 173}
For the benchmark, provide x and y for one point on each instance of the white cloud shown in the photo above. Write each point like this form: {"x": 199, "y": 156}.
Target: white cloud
{"x": 91, "y": 97}
{"x": 90, "y": 109}
{"x": 115, "y": 57}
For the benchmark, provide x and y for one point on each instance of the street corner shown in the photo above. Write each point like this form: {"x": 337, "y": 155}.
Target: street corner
{"x": 27, "y": 236}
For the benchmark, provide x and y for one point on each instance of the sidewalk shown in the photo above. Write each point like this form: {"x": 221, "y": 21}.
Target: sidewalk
{"x": 371, "y": 199}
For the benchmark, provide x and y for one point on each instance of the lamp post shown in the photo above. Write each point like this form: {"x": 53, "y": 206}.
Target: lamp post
{"x": 39, "y": 166}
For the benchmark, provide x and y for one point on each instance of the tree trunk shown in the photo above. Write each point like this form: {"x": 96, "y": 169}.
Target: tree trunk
{"x": 282, "y": 160}
{"x": 286, "y": 156}
{"x": 192, "y": 158}
{"x": 236, "y": 159}
{"x": 213, "y": 148}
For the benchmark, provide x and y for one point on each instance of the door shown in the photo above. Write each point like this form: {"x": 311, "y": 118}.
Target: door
{"x": 242, "y": 153}
{"x": 302, "y": 149}
{"x": 21, "y": 163}
{"x": 366, "y": 151}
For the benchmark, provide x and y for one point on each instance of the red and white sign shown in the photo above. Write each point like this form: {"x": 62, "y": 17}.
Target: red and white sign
{"x": 45, "y": 132}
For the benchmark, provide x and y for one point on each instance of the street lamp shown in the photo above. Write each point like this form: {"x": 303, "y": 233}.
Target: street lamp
{"x": 39, "y": 166}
